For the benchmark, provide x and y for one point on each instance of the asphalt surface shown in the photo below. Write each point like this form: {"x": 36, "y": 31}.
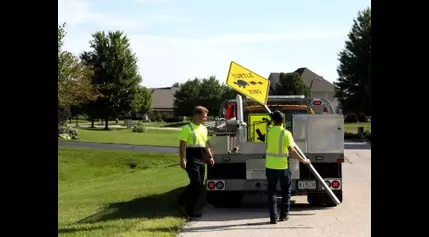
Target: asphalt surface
{"x": 153, "y": 149}
{"x": 352, "y": 218}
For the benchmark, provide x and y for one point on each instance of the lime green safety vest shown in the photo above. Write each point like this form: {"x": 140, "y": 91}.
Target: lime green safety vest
{"x": 277, "y": 148}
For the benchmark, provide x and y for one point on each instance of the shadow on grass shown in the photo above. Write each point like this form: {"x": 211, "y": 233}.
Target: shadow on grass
{"x": 154, "y": 206}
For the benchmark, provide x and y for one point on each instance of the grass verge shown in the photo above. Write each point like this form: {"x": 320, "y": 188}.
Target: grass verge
{"x": 100, "y": 195}
{"x": 152, "y": 137}
{"x": 353, "y": 127}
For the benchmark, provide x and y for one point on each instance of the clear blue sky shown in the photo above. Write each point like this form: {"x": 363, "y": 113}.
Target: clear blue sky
{"x": 176, "y": 40}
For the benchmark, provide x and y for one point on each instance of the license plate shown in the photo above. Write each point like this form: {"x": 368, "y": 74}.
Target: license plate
{"x": 306, "y": 184}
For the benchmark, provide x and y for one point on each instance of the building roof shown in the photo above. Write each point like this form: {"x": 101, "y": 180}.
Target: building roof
{"x": 307, "y": 76}
{"x": 163, "y": 98}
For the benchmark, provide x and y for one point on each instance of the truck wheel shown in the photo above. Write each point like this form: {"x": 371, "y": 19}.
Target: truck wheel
{"x": 323, "y": 199}
{"x": 221, "y": 199}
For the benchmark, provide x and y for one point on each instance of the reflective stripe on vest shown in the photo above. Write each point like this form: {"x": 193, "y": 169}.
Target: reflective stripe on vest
{"x": 280, "y": 152}
{"x": 194, "y": 138}
{"x": 276, "y": 157}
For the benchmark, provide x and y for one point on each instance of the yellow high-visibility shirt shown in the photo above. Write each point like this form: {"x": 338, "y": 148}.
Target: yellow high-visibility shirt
{"x": 278, "y": 141}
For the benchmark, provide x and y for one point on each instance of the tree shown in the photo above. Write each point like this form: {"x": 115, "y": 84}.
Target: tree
{"x": 142, "y": 102}
{"x": 74, "y": 78}
{"x": 207, "y": 92}
{"x": 116, "y": 74}
{"x": 291, "y": 84}
{"x": 353, "y": 89}
{"x": 176, "y": 84}
{"x": 187, "y": 98}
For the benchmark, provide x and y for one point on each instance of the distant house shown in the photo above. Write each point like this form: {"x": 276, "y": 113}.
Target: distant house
{"x": 162, "y": 100}
{"x": 321, "y": 88}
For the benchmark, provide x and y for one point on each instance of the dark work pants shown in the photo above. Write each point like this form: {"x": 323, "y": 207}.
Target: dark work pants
{"x": 192, "y": 195}
{"x": 284, "y": 176}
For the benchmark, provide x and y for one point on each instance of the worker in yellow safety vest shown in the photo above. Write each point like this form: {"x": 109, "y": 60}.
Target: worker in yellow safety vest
{"x": 195, "y": 147}
{"x": 280, "y": 145}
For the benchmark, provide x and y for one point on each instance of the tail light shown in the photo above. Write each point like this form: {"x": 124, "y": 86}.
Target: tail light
{"x": 335, "y": 184}
{"x": 231, "y": 111}
{"x": 220, "y": 185}
{"x": 340, "y": 160}
{"x": 211, "y": 185}
{"x": 317, "y": 102}
{"x": 328, "y": 183}
{"x": 216, "y": 185}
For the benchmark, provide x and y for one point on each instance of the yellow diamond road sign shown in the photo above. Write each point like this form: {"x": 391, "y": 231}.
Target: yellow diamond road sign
{"x": 248, "y": 83}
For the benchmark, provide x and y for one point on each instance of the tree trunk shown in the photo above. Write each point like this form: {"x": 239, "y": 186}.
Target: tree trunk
{"x": 77, "y": 122}
{"x": 92, "y": 122}
{"x": 106, "y": 126}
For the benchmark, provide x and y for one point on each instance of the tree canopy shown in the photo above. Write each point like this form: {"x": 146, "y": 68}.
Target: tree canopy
{"x": 353, "y": 88}
{"x": 207, "y": 92}
{"x": 116, "y": 74}
{"x": 74, "y": 77}
{"x": 291, "y": 84}
{"x": 142, "y": 102}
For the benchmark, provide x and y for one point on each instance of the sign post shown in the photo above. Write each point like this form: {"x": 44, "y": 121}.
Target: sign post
{"x": 257, "y": 87}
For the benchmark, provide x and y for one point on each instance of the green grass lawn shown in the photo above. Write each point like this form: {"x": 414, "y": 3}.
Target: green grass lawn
{"x": 353, "y": 127}
{"x": 152, "y": 137}
{"x": 100, "y": 195}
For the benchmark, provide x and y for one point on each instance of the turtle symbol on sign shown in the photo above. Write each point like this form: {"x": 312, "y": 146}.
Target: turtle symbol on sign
{"x": 241, "y": 83}
{"x": 254, "y": 83}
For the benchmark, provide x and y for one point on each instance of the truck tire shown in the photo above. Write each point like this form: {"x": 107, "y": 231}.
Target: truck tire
{"x": 323, "y": 199}
{"x": 222, "y": 199}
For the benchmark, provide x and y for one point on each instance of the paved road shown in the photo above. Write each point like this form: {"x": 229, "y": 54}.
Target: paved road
{"x": 350, "y": 219}
{"x": 154, "y": 149}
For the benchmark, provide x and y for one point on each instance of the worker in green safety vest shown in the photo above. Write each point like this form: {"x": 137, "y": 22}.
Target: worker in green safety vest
{"x": 194, "y": 152}
{"x": 280, "y": 145}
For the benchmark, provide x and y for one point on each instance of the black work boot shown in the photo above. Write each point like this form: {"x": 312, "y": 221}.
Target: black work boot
{"x": 273, "y": 220}
{"x": 285, "y": 218}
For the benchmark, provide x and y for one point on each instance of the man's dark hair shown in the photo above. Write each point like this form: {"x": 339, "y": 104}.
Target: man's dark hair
{"x": 277, "y": 116}
{"x": 200, "y": 110}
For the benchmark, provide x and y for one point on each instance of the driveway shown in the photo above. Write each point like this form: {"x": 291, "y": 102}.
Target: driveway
{"x": 352, "y": 218}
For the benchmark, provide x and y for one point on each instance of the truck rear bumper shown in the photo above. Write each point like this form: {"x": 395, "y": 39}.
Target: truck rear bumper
{"x": 260, "y": 185}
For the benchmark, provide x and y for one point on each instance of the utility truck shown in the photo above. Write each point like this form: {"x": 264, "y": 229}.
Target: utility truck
{"x": 238, "y": 139}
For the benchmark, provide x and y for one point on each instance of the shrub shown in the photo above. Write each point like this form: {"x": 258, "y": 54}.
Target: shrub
{"x": 156, "y": 118}
{"x": 67, "y": 133}
{"x": 171, "y": 119}
{"x": 365, "y": 135}
{"x": 351, "y": 118}
{"x": 139, "y": 127}
{"x": 362, "y": 118}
